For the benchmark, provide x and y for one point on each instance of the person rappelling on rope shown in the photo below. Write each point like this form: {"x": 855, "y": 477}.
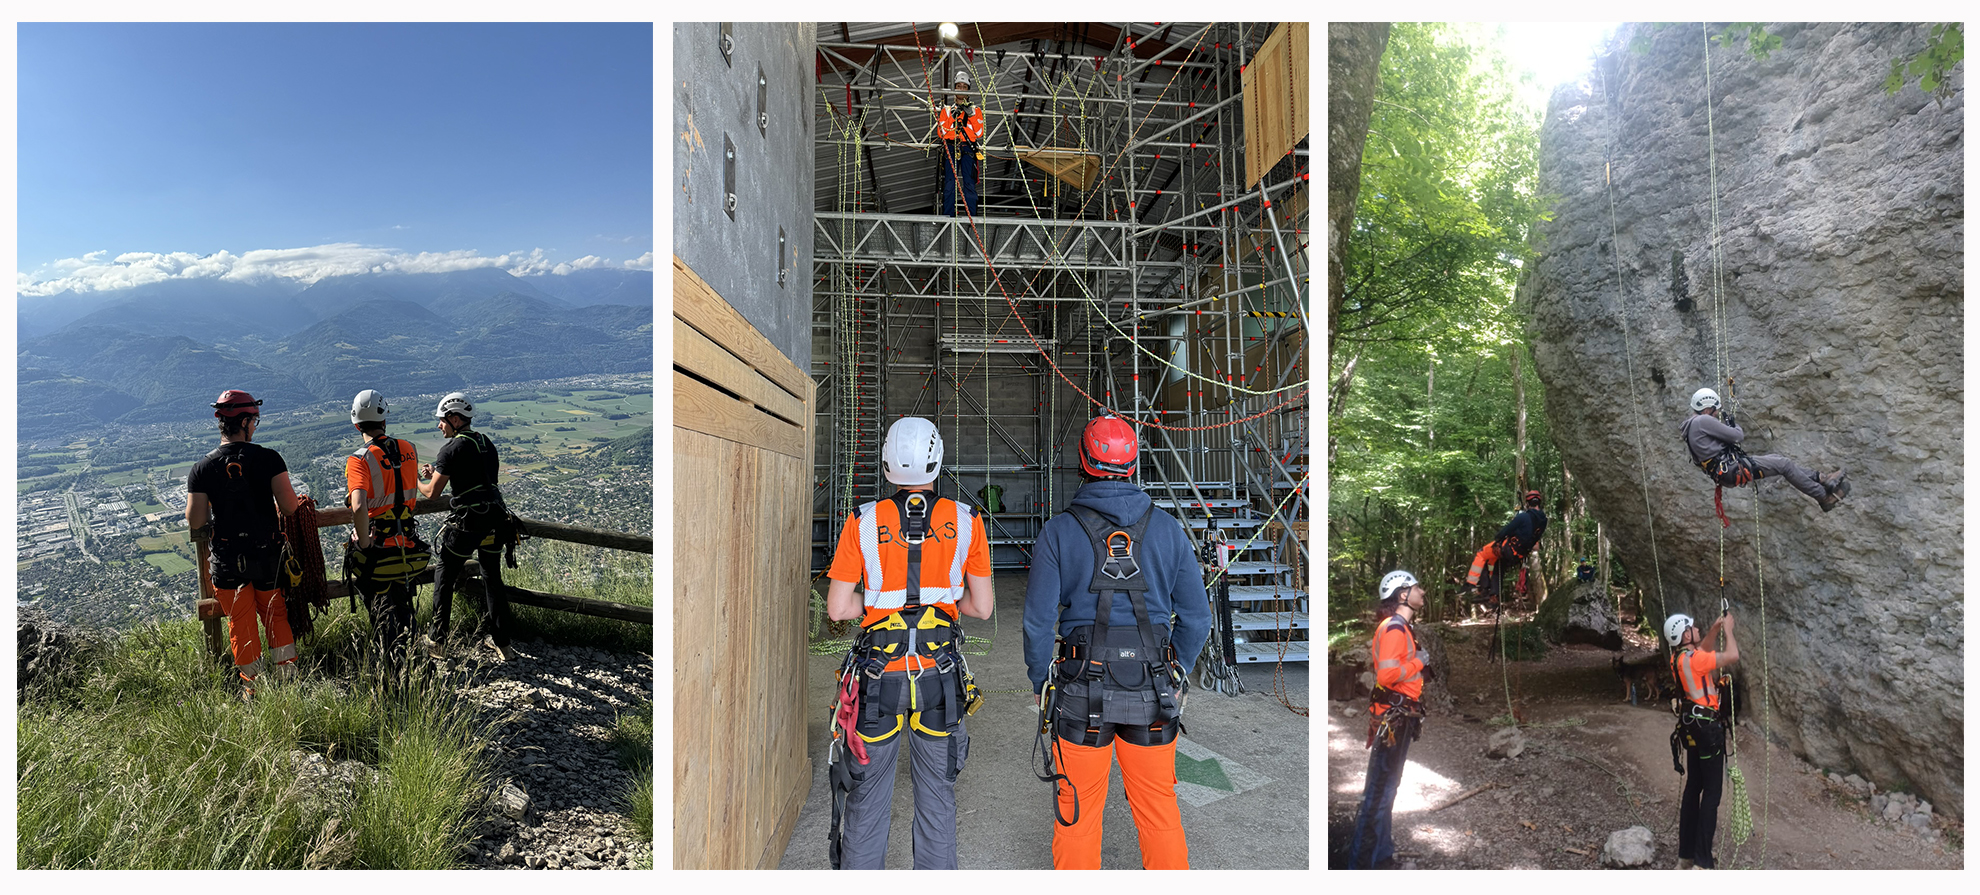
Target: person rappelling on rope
{"x": 960, "y": 127}
{"x": 1395, "y": 717}
{"x": 925, "y": 560}
{"x": 1715, "y": 446}
{"x": 237, "y": 496}
{"x": 1509, "y": 547}
{"x": 1117, "y": 581}
{"x": 1700, "y": 733}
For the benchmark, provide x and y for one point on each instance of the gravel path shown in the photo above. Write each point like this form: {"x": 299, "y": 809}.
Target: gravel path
{"x": 559, "y": 788}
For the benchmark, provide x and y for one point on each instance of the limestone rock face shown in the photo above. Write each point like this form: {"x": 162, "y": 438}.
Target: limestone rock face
{"x": 1842, "y": 236}
{"x": 1591, "y": 618}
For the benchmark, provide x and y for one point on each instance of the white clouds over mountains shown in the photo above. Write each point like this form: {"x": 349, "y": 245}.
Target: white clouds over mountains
{"x": 94, "y": 273}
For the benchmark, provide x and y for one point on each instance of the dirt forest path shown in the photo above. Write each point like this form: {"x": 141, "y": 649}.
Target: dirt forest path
{"x": 1593, "y": 764}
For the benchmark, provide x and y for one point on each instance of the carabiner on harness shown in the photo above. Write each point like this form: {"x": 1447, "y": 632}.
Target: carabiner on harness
{"x": 1120, "y": 564}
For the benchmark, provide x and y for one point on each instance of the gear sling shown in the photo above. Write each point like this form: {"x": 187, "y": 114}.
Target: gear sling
{"x": 382, "y": 564}
{"x": 1107, "y": 681}
{"x": 923, "y": 632}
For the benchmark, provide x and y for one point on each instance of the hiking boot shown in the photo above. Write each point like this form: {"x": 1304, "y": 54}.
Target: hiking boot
{"x": 508, "y": 655}
{"x": 1685, "y": 864}
{"x": 1836, "y": 483}
{"x": 1828, "y": 501}
{"x": 432, "y": 649}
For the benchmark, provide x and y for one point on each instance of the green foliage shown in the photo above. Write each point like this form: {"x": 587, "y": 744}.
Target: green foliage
{"x": 151, "y": 760}
{"x": 1522, "y": 642}
{"x": 1758, "y": 42}
{"x": 1930, "y": 66}
{"x": 632, "y": 740}
{"x": 1447, "y": 196}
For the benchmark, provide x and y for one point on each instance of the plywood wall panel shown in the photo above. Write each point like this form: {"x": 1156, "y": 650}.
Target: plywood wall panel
{"x": 742, "y": 488}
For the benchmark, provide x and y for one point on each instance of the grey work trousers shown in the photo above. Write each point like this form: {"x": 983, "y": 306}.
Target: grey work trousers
{"x": 1801, "y": 477}
{"x": 870, "y": 805}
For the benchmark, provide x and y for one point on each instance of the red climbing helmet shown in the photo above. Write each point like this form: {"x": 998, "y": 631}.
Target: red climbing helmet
{"x": 234, "y": 402}
{"x": 1109, "y": 447}
{"x": 1532, "y": 497}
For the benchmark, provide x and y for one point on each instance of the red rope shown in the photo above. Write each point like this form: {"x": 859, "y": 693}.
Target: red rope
{"x": 1719, "y": 504}
{"x": 300, "y": 532}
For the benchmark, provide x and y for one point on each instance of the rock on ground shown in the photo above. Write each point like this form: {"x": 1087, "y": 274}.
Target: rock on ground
{"x": 1841, "y": 235}
{"x": 1506, "y": 742}
{"x": 1591, "y": 618}
{"x": 1634, "y": 847}
{"x": 558, "y": 800}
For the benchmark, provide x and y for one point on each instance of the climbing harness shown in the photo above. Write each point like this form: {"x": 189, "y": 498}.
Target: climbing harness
{"x": 1105, "y": 681}
{"x": 383, "y": 564}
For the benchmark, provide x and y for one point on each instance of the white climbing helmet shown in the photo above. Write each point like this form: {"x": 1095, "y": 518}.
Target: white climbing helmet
{"x": 1675, "y": 626}
{"x": 368, "y": 407}
{"x": 1395, "y": 581}
{"x": 455, "y": 402}
{"x": 913, "y": 452}
{"x": 1702, "y": 399}
{"x": 962, "y": 77}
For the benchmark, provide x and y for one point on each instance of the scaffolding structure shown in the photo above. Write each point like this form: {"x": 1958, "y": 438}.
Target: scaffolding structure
{"x": 1118, "y": 258}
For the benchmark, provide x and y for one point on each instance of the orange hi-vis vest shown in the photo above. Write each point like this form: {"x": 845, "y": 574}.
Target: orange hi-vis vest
{"x": 385, "y": 484}
{"x": 1696, "y": 672}
{"x": 1398, "y": 663}
{"x": 873, "y": 549}
{"x": 972, "y": 125}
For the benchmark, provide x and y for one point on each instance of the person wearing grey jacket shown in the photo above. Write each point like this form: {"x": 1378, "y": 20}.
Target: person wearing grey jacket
{"x": 1714, "y": 445}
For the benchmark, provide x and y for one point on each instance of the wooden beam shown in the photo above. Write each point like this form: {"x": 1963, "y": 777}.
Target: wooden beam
{"x": 471, "y": 585}
{"x": 552, "y": 531}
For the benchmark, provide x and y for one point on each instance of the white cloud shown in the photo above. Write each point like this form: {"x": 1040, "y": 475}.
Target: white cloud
{"x": 643, "y": 262}
{"x": 585, "y": 263}
{"x": 92, "y": 273}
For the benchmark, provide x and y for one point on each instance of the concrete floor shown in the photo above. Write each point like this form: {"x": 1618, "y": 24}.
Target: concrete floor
{"x": 1250, "y": 813}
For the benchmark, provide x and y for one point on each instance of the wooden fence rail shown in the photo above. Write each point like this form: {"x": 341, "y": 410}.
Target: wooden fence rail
{"x": 330, "y": 517}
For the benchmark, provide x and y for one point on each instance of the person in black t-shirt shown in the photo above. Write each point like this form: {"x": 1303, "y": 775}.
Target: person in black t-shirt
{"x": 243, "y": 490}
{"x": 467, "y": 460}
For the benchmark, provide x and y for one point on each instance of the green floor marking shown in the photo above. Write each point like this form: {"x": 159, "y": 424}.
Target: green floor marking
{"x": 1207, "y": 772}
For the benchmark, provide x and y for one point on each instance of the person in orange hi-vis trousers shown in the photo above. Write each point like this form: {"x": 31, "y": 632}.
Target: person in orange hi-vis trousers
{"x": 1115, "y": 605}
{"x": 243, "y": 490}
{"x": 1508, "y": 548}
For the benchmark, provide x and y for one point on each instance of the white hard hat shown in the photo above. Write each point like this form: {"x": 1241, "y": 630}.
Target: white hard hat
{"x": 1395, "y": 581}
{"x": 455, "y": 402}
{"x": 368, "y": 407}
{"x": 1675, "y": 626}
{"x": 1702, "y": 399}
{"x": 913, "y": 452}
{"x": 962, "y": 77}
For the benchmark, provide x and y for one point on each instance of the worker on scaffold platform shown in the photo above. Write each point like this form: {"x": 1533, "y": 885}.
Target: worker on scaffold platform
{"x": 960, "y": 126}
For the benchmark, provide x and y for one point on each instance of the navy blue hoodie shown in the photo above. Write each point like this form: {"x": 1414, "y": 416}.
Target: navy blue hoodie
{"x": 1062, "y": 569}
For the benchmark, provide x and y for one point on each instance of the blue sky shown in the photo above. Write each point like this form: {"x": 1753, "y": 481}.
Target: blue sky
{"x": 306, "y": 150}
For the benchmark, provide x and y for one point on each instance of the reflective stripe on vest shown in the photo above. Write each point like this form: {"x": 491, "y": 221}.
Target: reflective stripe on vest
{"x": 869, "y": 551}
{"x": 972, "y": 126}
{"x": 1414, "y": 655}
{"x": 1707, "y": 696}
{"x": 374, "y": 462}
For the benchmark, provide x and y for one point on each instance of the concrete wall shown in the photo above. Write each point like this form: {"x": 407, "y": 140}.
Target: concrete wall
{"x": 714, "y": 99}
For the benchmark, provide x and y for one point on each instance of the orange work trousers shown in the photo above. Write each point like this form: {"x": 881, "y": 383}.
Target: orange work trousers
{"x": 1488, "y": 558}
{"x": 249, "y": 609}
{"x": 1149, "y": 773}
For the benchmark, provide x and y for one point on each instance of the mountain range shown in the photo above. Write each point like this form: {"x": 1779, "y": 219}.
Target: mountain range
{"x": 160, "y": 352}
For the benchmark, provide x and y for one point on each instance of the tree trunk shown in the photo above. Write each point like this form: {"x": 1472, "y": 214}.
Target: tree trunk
{"x": 1354, "y": 74}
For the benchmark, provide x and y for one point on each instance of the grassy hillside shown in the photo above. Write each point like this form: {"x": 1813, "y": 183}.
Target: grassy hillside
{"x": 143, "y": 755}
